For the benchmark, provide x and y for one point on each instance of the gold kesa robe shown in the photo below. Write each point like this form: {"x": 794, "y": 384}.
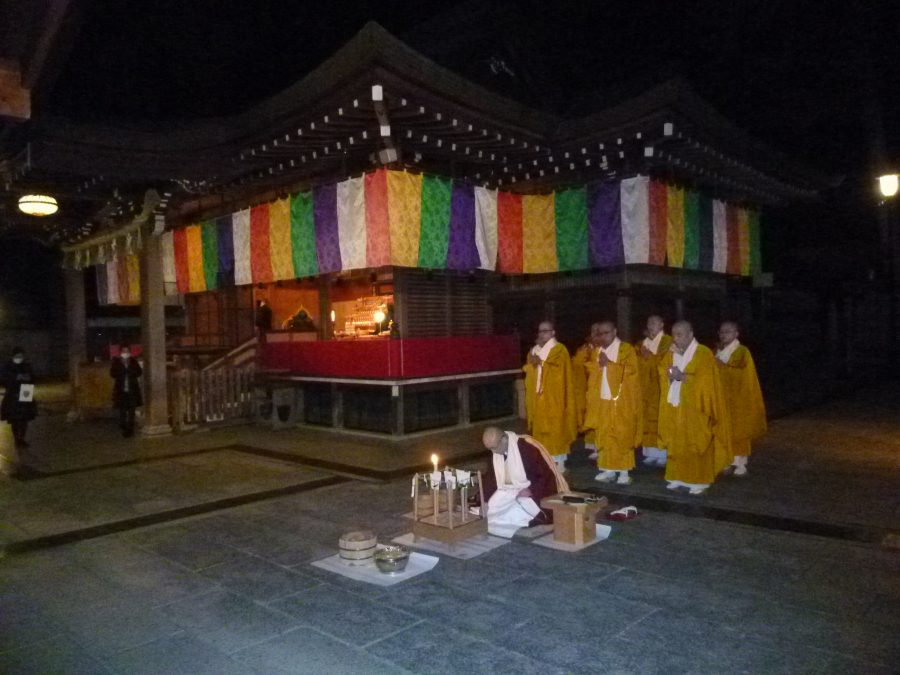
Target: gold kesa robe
{"x": 648, "y": 370}
{"x": 552, "y": 412}
{"x": 617, "y": 422}
{"x": 697, "y": 432}
{"x": 744, "y": 400}
{"x": 579, "y": 380}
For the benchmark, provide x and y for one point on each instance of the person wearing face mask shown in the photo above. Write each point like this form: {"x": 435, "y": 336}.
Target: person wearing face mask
{"x": 127, "y": 396}
{"x": 18, "y": 407}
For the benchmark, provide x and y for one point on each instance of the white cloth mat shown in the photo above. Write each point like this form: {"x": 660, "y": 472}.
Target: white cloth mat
{"x": 418, "y": 564}
{"x": 603, "y": 532}
{"x": 464, "y": 550}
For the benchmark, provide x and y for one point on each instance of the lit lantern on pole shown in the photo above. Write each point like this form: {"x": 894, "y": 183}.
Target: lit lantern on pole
{"x": 888, "y": 184}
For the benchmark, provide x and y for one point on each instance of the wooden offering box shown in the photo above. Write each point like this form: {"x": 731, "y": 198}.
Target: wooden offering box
{"x": 574, "y": 523}
{"x": 446, "y": 517}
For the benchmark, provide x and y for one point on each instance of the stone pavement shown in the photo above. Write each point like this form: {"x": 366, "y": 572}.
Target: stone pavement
{"x": 836, "y": 465}
{"x": 203, "y": 563}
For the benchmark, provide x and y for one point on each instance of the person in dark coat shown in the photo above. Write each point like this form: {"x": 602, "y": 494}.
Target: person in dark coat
{"x": 18, "y": 407}
{"x": 263, "y": 318}
{"x": 127, "y": 396}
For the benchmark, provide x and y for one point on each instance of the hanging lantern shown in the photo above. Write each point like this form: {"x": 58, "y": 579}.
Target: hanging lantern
{"x": 38, "y": 205}
{"x": 888, "y": 184}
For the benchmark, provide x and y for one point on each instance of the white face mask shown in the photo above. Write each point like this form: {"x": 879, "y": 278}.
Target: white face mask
{"x": 18, "y": 359}
{"x": 126, "y": 355}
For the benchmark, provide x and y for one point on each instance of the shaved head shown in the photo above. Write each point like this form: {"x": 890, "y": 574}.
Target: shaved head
{"x": 546, "y": 330}
{"x": 595, "y": 334}
{"x": 493, "y": 438}
{"x": 606, "y": 333}
{"x": 682, "y": 334}
{"x": 655, "y": 325}
{"x": 728, "y": 332}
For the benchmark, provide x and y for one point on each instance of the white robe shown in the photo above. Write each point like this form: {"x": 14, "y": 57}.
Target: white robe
{"x": 506, "y": 511}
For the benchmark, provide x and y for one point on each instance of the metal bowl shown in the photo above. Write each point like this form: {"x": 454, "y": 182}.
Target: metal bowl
{"x": 392, "y": 559}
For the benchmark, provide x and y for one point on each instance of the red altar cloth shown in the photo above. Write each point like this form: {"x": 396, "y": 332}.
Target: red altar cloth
{"x": 384, "y": 358}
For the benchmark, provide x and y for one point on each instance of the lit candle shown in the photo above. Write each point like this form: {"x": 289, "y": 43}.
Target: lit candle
{"x": 434, "y": 460}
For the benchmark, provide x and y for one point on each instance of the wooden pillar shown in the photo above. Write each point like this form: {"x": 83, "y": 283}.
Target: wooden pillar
{"x": 463, "y": 397}
{"x": 153, "y": 340}
{"x": 326, "y": 327}
{"x": 76, "y": 328}
{"x": 337, "y": 406}
{"x": 398, "y": 426}
{"x": 401, "y": 306}
{"x": 624, "y": 317}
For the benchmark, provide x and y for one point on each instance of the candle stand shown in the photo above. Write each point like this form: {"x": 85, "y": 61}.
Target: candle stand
{"x": 448, "y": 520}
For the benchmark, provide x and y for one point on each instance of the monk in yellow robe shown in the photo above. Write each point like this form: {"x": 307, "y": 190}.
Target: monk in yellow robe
{"x": 550, "y": 394}
{"x": 651, "y": 351}
{"x": 693, "y": 421}
{"x": 743, "y": 396}
{"x": 580, "y": 360}
{"x": 614, "y": 406}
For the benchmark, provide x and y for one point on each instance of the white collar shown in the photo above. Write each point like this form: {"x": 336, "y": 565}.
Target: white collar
{"x": 612, "y": 352}
{"x": 653, "y": 345}
{"x": 724, "y": 354}
{"x": 681, "y": 360}
{"x": 544, "y": 352}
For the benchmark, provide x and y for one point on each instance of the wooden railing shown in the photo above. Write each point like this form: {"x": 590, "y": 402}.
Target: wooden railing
{"x": 240, "y": 355}
{"x": 198, "y": 397}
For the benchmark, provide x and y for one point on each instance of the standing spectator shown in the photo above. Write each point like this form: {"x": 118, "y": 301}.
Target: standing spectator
{"x": 18, "y": 407}
{"x": 127, "y": 396}
{"x": 263, "y": 319}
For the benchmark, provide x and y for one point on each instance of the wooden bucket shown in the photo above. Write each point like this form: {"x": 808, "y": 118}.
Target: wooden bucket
{"x": 358, "y": 546}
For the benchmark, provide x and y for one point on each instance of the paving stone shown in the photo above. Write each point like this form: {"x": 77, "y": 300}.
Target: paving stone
{"x": 111, "y": 628}
{"x": 163, "y": 582}
{"x": 24, "y": 622}
{"x": 429, "y": 647}
{"x": 227, "y": 621}
{"x": 56, "y": 655}
{"x": 344, "y": 615}
{"x": 175, "y": 655}
{"x": 303, "y": 650}
{"x": 233, "y": 592}
{"x": 258, "y": 579}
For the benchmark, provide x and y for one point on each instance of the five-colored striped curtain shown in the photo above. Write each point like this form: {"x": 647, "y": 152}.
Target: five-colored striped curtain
{"x": 404, "y": 219}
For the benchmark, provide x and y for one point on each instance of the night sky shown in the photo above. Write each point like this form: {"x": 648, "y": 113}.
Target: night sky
{"x": 797, "y": 74}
